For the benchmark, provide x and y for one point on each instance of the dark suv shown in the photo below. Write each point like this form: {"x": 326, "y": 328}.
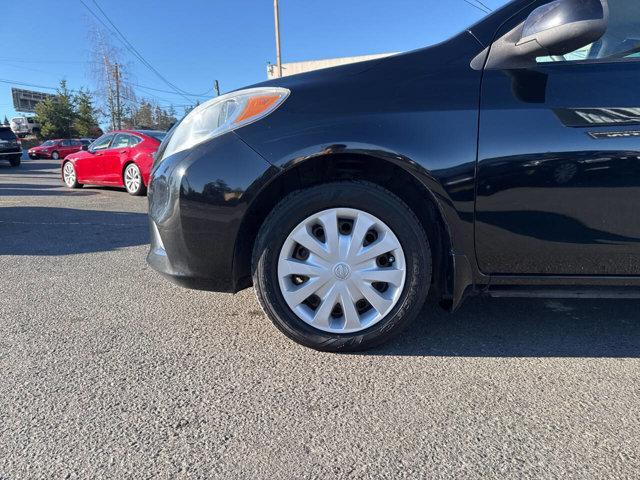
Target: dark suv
{"x": 504, "y": 161}
{"x": 10, "y": 146}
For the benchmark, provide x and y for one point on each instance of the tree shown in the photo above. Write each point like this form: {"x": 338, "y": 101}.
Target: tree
{"x": 188, "y": 109}
{"x": 164, "y": 119}
{"x": 144, "y": 115}
{"x": 148, "y": 114}
{"x": 113, "y": 84}
{"x": 86, "y": 122}
{"x": 6, "y": 121}
{"x": 56, "y": 114}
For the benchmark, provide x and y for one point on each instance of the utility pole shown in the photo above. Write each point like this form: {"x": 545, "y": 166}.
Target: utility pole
{"x": 278, "y": 56}
{"x": 118, "y": 106}
{"x": 216, "y": 87}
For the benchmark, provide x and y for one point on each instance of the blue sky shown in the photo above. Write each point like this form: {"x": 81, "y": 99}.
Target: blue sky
{"x": 193, "y": 42}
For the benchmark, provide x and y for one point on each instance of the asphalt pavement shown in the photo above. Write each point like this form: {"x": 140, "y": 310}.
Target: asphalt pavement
{"x": 109, "y": 371}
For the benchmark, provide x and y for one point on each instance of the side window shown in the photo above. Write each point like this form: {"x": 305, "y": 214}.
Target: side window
{"x": 121, "y": 141}
{"x": 620, "y": 42}
{"x": 102, "y": 143}
{"x": 66, "y": 143}
{"x": 133, "y": 140}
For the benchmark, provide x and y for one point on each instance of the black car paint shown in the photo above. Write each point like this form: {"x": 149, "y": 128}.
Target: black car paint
{"x": 10, "y": 148}
{"x": 447, "y": 127}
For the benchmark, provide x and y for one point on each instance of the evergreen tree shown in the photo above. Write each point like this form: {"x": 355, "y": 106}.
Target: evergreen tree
{"x": 144, "y": 115}
{"x": 56, "y": 115}
{"x": 6, "y": 121}
{"x": 86, "y": 122}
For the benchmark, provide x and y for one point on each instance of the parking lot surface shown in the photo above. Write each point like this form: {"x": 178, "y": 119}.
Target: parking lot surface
{"x": 109, "y": 371}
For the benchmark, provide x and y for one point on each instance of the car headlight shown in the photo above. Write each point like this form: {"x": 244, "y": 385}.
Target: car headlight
{"x": 224, "y": 114}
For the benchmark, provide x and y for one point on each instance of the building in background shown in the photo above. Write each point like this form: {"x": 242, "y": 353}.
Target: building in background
{"x": 301, "y": 67}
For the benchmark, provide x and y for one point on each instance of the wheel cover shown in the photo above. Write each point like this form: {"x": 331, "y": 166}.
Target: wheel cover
{"x": 132, "y": 178}
{"x": 69, "y": 174}
{"x": 335, "y": 278}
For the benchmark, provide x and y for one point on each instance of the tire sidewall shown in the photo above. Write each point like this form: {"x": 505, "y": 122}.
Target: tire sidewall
{"x": 361, "y": 196}
{"x": 55, "y": 156}
{"x": 140, "y": 186}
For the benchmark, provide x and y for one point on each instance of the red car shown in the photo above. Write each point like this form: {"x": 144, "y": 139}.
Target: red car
{"x": 122, "y": 158}
{"x": 56, "y": 149}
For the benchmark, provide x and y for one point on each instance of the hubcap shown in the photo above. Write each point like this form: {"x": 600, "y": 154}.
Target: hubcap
{"x": 132, "y": 178}
{"x": 341, "y": 270}
{"x": 69, "y": 174}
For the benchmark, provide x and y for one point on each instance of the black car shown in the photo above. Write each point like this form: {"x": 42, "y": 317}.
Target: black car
{"x": 10, "y": 146}
{"x": 503, "y": 161}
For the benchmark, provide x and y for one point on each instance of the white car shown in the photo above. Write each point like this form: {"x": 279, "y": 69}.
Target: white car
{"x": 23, "y": 126}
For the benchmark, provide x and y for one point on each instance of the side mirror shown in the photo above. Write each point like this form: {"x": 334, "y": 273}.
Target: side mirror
{"x": 563, "y": 26}
{"x": 85, "y": 147}
{"x": 555, "y": 29}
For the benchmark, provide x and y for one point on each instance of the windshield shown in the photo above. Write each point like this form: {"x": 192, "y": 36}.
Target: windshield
{"x": 19, "y": 120}
{"x": 48, "y": 143}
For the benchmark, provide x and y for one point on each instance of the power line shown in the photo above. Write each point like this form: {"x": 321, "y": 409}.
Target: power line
{"x": 123, "y": 39}
{"x": 130, "y": 83}
{"x": 45, "y": 87}
{"x": 484, "y": 5}
{"x": 483, "y": 9}
{"x": 22, "y": 60}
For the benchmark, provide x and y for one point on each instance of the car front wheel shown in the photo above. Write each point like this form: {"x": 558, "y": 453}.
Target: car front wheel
{"x": 55, "y": 155}
{"x": 343, "y": 266}
{"x": 69, "y": 176}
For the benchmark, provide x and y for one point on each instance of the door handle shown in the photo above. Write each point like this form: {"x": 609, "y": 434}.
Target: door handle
{"x": 122, "y": 151}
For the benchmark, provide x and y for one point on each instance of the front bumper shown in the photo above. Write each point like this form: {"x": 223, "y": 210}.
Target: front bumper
{"x": 39, "y": 154}
{"x": 197, "y": 202}
{"x": 10, "y": 154}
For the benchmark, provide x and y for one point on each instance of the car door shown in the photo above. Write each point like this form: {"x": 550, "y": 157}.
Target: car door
{"x": 66, "y": 148}
{"x": 76, "y": 146}
{"x": 118, "y": 155}
{"x": 558, "y": 177}
{"x": 89, "y": 167}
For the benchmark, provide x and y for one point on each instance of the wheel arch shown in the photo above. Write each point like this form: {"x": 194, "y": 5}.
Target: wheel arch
{"x": 347, "y": 166}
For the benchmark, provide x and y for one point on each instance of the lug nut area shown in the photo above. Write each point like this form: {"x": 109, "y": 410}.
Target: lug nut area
{"x": 301, "y": 253}
{"x": 345, "y": 226}
{"x": 337, "y": 311}
{"x": 385, "y": 260}
{"x": 318, "y": 232}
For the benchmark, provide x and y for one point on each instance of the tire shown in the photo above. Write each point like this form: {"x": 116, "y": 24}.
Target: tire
{"x": 15, "y": 162}
{"x": 55, "y": 155}
{"x": 69, "y": 175}
{"x": 132, "y": 179}
{"x": 346, "y": 198}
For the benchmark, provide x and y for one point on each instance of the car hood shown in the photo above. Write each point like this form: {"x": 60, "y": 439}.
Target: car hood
{"x": 324, "y": 74}
{"x": 396, "y": 67}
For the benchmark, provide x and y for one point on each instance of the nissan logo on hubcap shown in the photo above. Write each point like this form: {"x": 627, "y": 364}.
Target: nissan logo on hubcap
{"x": 342, "y": 271}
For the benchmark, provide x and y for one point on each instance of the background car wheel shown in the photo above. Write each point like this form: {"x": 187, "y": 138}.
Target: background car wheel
{"x": 69, "y": 175}
{"x": 55, "y": 155}
{"x": 15, "y": 162}
{"x": 343, "y": 266}
{"x": 133, "y": 180}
